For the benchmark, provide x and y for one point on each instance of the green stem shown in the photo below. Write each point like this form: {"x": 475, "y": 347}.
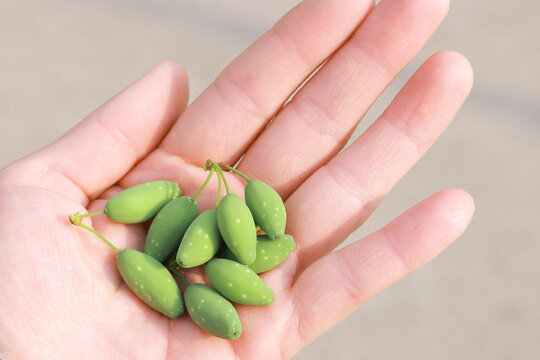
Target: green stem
{"x": 93, "y": 214}
{"x": 194, "y": 198}
{"x": 99, "y": 236}
{"x": 218, "y": 189}
{"x": 218, "y": 169}
{"x": 236, "y": 171}
{"x": 173, "y": 267}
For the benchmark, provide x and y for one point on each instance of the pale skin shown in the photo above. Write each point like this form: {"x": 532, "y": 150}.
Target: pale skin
{"x": 62, "y": 296}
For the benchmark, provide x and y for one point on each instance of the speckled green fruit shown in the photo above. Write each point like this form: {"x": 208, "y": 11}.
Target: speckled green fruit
{"x": 270, "y": 253}
{"x": 267, "y": 208}
{"x": 238, "y": 282}
{"x": 141, "y": 202}
{"x": 169, "y": 226}
{"x": 212, "y": 312}
{"x": 237, "y": 227}
{"x": 201, "y": 240}
{"x": 151, "y": 282}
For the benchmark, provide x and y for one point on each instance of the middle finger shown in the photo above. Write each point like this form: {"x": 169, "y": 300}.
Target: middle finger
{"x": 317, "y": 123}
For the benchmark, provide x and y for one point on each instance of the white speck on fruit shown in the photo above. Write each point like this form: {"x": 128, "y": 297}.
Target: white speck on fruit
{"x": 202, "y": 300}
{"x": 230, "y": 284}
{"x": 190, "y": 243}
{"x": 206, "y": 236}
{"x": 262, "y": 251}
{"x": 199, "y": 231}
{"x": 139, "y": 268}
{"x": 244, "y": 296}
{"x": 264, "y": 204}
{"x": 278, "y": 245}
{"x": 205, "y": 247}
{"x": 238, "y": 221}
{"x": 266, "y": 258}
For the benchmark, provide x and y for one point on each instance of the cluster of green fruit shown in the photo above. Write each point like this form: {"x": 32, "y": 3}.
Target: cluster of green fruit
{"x": 223, "y": 238}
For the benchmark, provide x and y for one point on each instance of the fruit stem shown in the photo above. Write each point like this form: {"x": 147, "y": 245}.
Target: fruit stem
{"x": 218, "y": 189}
{"x": 173, "y": 267}
{"x": 194, "y": 198}
{"x": 99, "y": 236}
{"x": 218, "y": 169}
{"x": 79, "y": 217}
{"x": 236, "y": 171}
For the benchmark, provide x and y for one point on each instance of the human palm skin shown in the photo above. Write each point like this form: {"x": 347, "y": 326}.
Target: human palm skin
{"x": 62, "y": 296}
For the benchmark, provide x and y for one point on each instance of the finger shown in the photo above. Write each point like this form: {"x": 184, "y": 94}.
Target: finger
{"x": 330, "y": 289}
{"x": 344, "y": 192}
{"x": 229, "y": 114}
{"x": 317, "y": 123}
{"x": 102, "y": 148}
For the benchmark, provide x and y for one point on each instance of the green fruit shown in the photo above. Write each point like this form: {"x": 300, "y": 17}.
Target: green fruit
{"x": 270, "y": 253}
{"x": 267, "y": 208}
{"x": 237, "y": 227}
{"x": 201, "y": 240}
{"x": 151, "y": 282}
{"x": 238, "y": 282}
{"x": 169, "y": 226}
{"x": 212, "y": 312}
{"x": 141, "y": 202}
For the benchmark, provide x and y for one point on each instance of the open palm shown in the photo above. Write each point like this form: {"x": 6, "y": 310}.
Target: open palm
{"x": 62, "y": 296}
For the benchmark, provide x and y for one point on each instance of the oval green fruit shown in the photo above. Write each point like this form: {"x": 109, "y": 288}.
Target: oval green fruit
{"x": 270, "y": 253}
{"x": 141, "y": 202}
{"x": 267, "y": 208}
{"x": 169, "y": 226}
{"x": 237, "y": 227}
{"x": 212, "y": 312}
{"x": 151, "y": 282}
{"x": 201, "y": 240}
{"x": 238, "y": 282}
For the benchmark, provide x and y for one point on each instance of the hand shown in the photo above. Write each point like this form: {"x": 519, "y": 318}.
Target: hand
{"x": 62, "y": 296}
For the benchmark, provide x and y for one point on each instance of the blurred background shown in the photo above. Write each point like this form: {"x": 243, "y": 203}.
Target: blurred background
{"x": 478, "y": 300}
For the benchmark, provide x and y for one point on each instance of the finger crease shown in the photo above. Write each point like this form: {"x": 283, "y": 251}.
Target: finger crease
{"x": 232, "y": 93}
{"x": 290, "y": 44}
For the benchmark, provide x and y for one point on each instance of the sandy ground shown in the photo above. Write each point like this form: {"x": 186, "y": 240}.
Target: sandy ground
{"x": 479, "y": 299}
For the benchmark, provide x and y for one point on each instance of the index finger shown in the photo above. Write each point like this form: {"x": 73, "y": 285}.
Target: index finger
{"x": 230, "y": 113}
